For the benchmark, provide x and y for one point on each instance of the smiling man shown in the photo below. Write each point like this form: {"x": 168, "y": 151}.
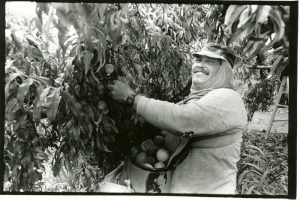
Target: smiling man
{"x": 214, "y": 115}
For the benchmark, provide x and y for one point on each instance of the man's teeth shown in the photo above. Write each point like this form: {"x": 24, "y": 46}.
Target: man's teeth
{"x": 199, "y": 72}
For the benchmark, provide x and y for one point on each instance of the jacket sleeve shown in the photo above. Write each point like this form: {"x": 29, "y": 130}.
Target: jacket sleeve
{"x": 218, "y": 111}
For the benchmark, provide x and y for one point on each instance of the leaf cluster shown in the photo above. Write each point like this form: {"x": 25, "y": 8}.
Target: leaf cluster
{"x": 260, "y": 96}
{"x": 263, "y": 168}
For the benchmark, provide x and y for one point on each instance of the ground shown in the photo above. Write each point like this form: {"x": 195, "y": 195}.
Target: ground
{"x": 263, "y": 168}
{"x": 261, "y": 121}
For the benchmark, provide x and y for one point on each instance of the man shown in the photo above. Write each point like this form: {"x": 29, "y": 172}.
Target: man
{"x": 213, "y": 113}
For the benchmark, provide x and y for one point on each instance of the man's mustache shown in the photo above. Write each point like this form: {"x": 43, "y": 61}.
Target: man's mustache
{"x": 202, "y": 71}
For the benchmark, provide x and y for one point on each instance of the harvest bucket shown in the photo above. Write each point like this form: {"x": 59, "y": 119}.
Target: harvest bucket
{"x": 146, "y": 181}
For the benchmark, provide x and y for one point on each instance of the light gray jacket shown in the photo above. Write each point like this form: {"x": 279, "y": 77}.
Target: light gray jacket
{"x": 210, "y": 167}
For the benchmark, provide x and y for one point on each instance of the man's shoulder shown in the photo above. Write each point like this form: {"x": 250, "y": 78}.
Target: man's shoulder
{"x": 223, "y": 96}
{"x": 224, "y": 92}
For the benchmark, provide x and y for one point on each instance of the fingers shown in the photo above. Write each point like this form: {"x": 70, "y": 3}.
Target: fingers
{"x": 110, "y": 86}
{"x": 123, "y": 79}
{"x": 116, "y": 84}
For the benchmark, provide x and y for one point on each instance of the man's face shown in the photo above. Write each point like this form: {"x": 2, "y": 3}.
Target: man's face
{"x": 203, "y": 68}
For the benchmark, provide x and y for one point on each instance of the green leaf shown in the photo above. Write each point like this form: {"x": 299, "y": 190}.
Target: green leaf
{"x": 232, "y": 15}
{"x": 114, "y": 29}
{"x": 87, "y": 56}
{"x": 9, "y": 68}
{"x": 101, "y": 47}
{"x": 11, "y": 108}
{"x": 284, "y": 187}
{"x": 42, "y": 80}
{"x": 41, "y": 156}
{"x": 73, "y": 104}
{"x": 242, "y": 175}
{"x": 256, "y": 158}
{"x": 36, "y": 53}
{"x": 43, "y": 96}
{"x": 242, "y": 32}
{"x": 62, "y": 37}
{"x": 248, "y": 46}
{"x": 279, "y": 27}
{"x": 21, "y": 122}
{"x": 39, "y": 184}
{"x": 245, "y": 17}
{"x": 38, "y": 23}
{"x": 76, "y": 132}
{"x": 263, "y": 178}
{"x": 37, "y": 110}
{"x": 101, "y": 9}
{"x": 254, "y": 166}
{"x": 42, "y": 7}
{"x": 88, "y": 112}
{"x": 249, "y": 191}
{"x": 46, "y": 28}
{"x": 31, "y": 40}
{"x": 257, "y": 46}
{"x": 256, "y": 192}
{"x": 258, "y": 149}
{"x": 266, "y": 191}
{"x": 52, "y": 102}
{"x": 100, "y": 144}
{"x": 56, "y": 167}
{"x": 263, "y": 14}
{"x": 11, "y": 78}
{"x": 7, "y": 94}
{"x": 18, "y": 40}
{"x": 256, "y": 172}
{"x": 23, "y": 90}
{"x": 6, "y": 172}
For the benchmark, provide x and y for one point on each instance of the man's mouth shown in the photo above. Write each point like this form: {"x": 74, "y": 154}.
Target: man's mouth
{"x": 201, "y": 72}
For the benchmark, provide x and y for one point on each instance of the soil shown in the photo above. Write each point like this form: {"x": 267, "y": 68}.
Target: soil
{"x": 261, "y": 121}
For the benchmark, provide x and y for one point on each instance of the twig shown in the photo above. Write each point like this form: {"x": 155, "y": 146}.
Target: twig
{"x": 163, "y": 16}
{"x": 137, "y": 8}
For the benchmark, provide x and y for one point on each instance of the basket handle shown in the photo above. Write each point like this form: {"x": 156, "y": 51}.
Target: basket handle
{"x": 183, "y": 144}
{"x": 112, "y": 175}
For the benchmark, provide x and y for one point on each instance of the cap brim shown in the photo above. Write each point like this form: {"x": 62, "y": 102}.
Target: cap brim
{"x": 209, "y": 54}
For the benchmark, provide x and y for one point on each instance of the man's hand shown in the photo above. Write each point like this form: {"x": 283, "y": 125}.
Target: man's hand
{"x": 120, "y": 90}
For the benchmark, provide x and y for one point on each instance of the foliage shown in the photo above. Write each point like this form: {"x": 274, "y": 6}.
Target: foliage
{"x": 57, "y": 71}
{"x": 260, "y": 96}
{"x": 260, "y": 27}
{"x": 263, "y": 168}
{"x": 258, "y": 36}
{"x": 61, "y": 82}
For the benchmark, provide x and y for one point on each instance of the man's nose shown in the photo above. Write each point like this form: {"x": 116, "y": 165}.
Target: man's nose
{"x": 198, "y": 65}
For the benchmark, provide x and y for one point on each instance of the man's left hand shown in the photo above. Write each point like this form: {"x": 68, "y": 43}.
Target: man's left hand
{"x": 120, "y": 90}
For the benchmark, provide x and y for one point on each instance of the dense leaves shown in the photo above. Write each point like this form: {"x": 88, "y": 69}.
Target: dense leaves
{"x": 260, "y": 96}
{"x": 263, "y": 168}
{"x": 261, "y": 26}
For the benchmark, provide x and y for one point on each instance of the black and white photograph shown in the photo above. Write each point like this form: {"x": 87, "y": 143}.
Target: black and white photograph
{"x": 174, "y": 99}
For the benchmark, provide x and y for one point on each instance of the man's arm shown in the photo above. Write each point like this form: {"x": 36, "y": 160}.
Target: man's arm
{"x": 219, "y": 111}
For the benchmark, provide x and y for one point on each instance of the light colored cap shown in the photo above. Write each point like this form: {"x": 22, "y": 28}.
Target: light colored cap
{"x": 217, "y": 51}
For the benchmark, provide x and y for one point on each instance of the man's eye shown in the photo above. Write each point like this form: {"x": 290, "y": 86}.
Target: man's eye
{"x": 212, "y": 61}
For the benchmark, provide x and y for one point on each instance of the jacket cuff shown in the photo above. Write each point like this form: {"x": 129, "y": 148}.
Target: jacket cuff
{"x": 142, "y": 105}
